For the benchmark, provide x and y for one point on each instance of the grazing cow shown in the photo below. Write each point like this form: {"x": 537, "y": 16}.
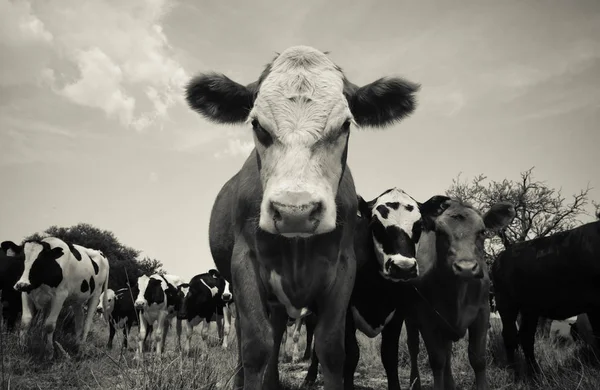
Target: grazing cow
{"x": 555, "y": 277}
{"x": 309, "y": 321}
{"x": 560, "y": 331}
{"x": 205, "y": 296}
{"x": 452, "y": 290}
{"x": 57, "y": 273}
{"x": 11, "y": 268}
{"x": 120, "y": 313}
{"x": 281, "y": 229}
{"x": 158, "y": 301}
{"x": 387, "y": 232}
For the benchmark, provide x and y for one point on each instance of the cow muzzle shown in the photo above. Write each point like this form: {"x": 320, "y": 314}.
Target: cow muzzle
{"x": 295, "y": 214}
{"x": 23, "y": 286}
{"x": 226, "y": 297}
{"x": 467, "y": 269}
{"x": 140, "y": 304}
{"x": 402, "y": 269}
{"x": 99, "y": 310}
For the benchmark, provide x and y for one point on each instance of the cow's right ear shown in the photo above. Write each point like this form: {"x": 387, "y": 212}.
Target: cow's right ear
{"x": 214, "y": 273}
{"x": 183, "y": 285}
{"x": 220, "y": 99}
{"x": 10, "y": 248}
{"x": 432, "y": 209}
{"x": 364, "y": 209}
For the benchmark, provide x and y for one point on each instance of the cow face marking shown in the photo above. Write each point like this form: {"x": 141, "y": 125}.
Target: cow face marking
{"x": 393, "y": 221}
{"x": 74, "y": 251}
{"x": 92, "y": 284}
{"x": 226, "y": 296}
{"x": 301, "y": 110}
{"x": 41, "y": 266}
{"x": 213, "y": 290}
{"x": 85, "y": 286}
{"x": 154, "y": 292}
{"x": 454, "y": 233}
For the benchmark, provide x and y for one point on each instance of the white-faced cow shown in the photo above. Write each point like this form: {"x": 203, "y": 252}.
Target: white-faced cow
{"x": 120, "y": 312}
{"x": 157, "y": 301}
{"x": 452, "y": 290}
{"x": 387, "y": 232}
{"x": 57, "y": 273}
{"x": 281, "y": 229}
{"x": 205, "y": 296}
{"x": 11, "y": 267}
{"x": 555, "y": 277}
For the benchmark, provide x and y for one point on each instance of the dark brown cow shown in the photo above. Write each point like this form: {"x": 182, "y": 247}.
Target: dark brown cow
{"x": 281, "y": 229}
{"x": 452, "y": 290}
{"x": 555, "y": 277}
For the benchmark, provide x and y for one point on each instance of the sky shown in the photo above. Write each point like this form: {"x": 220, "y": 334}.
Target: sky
{"x": 94, "y": 127}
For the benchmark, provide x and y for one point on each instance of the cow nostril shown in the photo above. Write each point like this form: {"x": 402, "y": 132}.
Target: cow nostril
{"x": 317, "y": 209}
{"x": 275, "y": 212}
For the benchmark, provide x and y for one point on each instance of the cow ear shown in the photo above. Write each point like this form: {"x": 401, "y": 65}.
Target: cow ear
{"x": 434, "y": 206}
{"x": 183, "y": 285}
{"x": 364, "y": 211}
{"x": 220, "y": 99}
{"x": 214, "y": 273}
{"x": 10, "y": 248}
{"x": 382, "y": 102}
{"x": 499, "y": 216}
{"x": 56, "y": 253}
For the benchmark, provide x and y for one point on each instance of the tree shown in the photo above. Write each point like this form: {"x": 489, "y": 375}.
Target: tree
{"x": 123, "y": 260}
{"x": 597, "y": 207}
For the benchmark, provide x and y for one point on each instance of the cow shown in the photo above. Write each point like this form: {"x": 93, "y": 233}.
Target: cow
{"x": 158, "y": 300}
{"x": 309, "y": 321}
{"x": 11, "y": 268}
{"x": 553, "y": 277}
{"x": 451, "y": 293}
{"x": 581, "y": 331}
{"x": 57, "y": 273}
{"x": 222, "y": 316}
{"x": 205, "y": 296}
{"x": 120, "y": 313}
{"x": 387, "y": 232}
{"x": 281, "y": 229}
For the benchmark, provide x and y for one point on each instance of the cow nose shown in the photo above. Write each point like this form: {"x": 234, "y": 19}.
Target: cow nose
{"x": 296, "y": 213}
{"x": 467, "y": 269}
{"x": 99, "y": 310}
{"x": 139, "y": 304}
{"x": 226, "y": 296}
{"x": 22, "y": 286}
{"x": 404, "y": 271}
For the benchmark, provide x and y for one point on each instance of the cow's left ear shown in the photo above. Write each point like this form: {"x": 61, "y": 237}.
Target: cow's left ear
{"x": 214, "y": 273}
{"x": 183, "y": 285}
{"x": 382, "y": 102}
{"x": 56, "y": 253}
{"x": 10, "y": 248}
{"x": 499, "y": 216}
{"x": 364, "y": 209}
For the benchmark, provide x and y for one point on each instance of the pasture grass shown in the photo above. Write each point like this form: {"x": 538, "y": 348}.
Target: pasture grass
{"x": 92, "y": 366}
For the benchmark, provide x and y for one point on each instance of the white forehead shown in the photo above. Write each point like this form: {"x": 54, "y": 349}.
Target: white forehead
{"x": 142, "y": 284}
{"x": 31, "y": 250}
{"x": 227, "y": 287}
{"x": 110, "y": 294}
{"x": 404, "y": 215}
{"x": 303, "y": 88}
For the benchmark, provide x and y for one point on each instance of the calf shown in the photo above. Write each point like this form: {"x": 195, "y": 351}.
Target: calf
{"x": 555, "y": 277}
{"x": 387, "y": 232}
{"x": 206, "y": 295}
{"x": 158, "y": 301}
{"x": 56, "y": 272}
{"x": 452, "y": 290}
{"x": 289, "y": 213}
{"x": 120, "y": 313}
{"x": 11, "y": 268}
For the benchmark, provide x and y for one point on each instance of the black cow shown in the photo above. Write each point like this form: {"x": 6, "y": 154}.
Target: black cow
{"x": 205, "y": 296}
{"x": 387, "y": 231}
{"x": 555, "y": 277}
{"x": 11, "y": 267}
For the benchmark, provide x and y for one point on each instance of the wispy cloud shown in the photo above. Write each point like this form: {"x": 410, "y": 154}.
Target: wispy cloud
{"x": 236, "y": 147}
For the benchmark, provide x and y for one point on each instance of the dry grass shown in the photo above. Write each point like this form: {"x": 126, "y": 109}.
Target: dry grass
{"x": 211, "y": 367}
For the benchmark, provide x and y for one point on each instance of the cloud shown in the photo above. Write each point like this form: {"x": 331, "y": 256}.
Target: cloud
{"x": 153, "y": 177}
{"x": 111, "y": 56}
{"x": 236, "y": 147}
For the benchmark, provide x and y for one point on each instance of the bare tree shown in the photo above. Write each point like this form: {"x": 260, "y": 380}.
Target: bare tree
{"x": 597, "y": 207}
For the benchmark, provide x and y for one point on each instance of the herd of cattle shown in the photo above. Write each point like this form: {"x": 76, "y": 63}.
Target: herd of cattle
{"x": 292, "y": 240}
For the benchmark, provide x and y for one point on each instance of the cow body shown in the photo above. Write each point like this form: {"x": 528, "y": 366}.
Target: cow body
{"x": 206, "y": 296}
{"x": 281, "y": 229}
{"x": 57, "y": 274}
{"x": 387, "y": 230}
{"x": 553, "y": 277}
{"x": 452, "y": 290}
{"x": 11, "y": 268}
{"x": 120, "y": 312}
{"x": 158, "y": 302}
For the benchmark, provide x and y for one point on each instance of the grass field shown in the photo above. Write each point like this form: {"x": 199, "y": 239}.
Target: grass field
{"x": 211, "y": 367}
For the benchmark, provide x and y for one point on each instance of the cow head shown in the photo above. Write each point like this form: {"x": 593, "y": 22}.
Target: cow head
{"x": 226, "y": 296}
{"x": 394, "y": 225}
{"x": 301, "y": 110}
{"x": 41, "y": 266}
{"x": 453, "y": 234}
{"x": 110, "y": 303}
{"x": 202, "y": 289}
{"x": 150, "y": 292}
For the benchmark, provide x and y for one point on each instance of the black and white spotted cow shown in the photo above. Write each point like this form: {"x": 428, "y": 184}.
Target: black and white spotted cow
{"x": 11, "y": 268}
{"x": 205, "y": 298}
{"x": 58, "y": 273}
{"x": 120, "y": 312}
{"x": 385, "y": 240}
{"x": 158, "y": 301}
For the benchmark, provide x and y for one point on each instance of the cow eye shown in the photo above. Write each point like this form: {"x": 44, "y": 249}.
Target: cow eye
{"x": 345, "y": 127}
{"x": 262, "y": 135}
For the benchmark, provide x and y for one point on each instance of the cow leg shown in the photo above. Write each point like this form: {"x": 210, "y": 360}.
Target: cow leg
{"x": 188, "y": 330}
{"x": 219, "y": 321}
{"x": 437, "y": 349}
{"x": 238, "y": 380}
{"x": 352, "y": 352}
{"x": 412, "y": 341}
{"x": 89, "y": 317}
{"x": 50, "y": 323}
{"x": 448, "y": 377}
{"x": 161, "y": 336}
{"x": 204, "y": 325}
{"x": 78, "y": 320}
{"x": 309, "y": 323}
{"x": 256, "y": 330}
{"x": 149, "y": 337}
{"x": 510, "y": 335}
{"x": 126, "y": 330}
{"x": 390, "y": 338}
{"x": 226, "y": 325}
{"x": 296, "y": 339}
{"x": 477, "y": 347}
{"x": 28, "y": 310}
{"x": 279, "y": 323}
{"x": 141, "y": 337}
{"x": 311, "y": 374}
{"x": 527, "y": 339}
{"x": 178, "y": 331}
{"x": 111, "y": 333}
{"x": 284, "y": 342}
